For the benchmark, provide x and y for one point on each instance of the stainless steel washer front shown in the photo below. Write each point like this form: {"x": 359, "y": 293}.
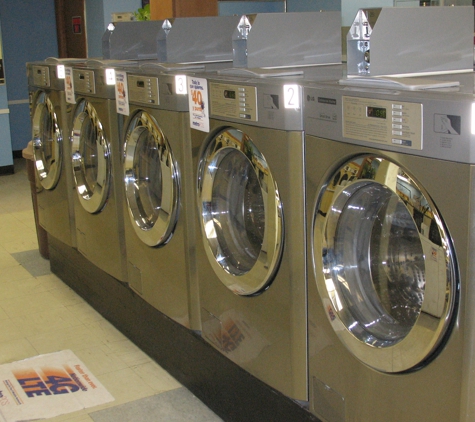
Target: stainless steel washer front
{"x": 151, "y": 180}
{"x": 241, "y": 213}
{"x": 47, "y": 141}
{"x": 91, "y": 158}
{"x": 388, "y": 282}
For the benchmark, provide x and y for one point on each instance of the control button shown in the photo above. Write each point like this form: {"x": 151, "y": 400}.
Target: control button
{"x": 397, "y": 126}
{"x": 397, "y": 119}
{"x": 397, "y": 106}
{"x": 397, "y": 141}
{"x": 397, "y": 132}
{"x": 244, "y": 116}
{"x": 397, "y": 113}
{"x": 242, "y": 89}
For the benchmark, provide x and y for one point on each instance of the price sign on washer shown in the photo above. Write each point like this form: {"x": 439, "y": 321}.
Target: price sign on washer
{"x": 198, "y": 103}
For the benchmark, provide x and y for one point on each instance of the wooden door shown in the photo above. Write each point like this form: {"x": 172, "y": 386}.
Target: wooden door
{"x": 71, "y": 28}
{"x": 162, "y": 9}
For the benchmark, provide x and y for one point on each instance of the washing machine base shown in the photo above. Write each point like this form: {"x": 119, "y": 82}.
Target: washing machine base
{"x": 224, "y": 387}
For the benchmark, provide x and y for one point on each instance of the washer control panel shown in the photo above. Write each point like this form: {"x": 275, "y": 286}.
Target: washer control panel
{"x": 41, "y": 76}
{"x": 233, "y": 101}
{"x": 84, "y": 81}
{"x": 143, "y": 89}
{"x": 382, "y": 121}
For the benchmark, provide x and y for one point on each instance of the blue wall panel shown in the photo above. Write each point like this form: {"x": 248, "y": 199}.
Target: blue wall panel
{"x": 94, "y": 22}
{"x": 227, "y": 8}
{"x": 29, "y": 34}
{"x": 312, "y": 5}
{"x": 98, "y": 16}
{"x": 6, "y": 158}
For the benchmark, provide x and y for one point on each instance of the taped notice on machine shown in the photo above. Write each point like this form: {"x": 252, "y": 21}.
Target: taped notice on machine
{"x": 198, "y": 103}
{"x": 46, "y": 386}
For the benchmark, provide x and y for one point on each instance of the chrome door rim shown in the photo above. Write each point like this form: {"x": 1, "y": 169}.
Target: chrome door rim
{"x": 48, "y": 171}
{"x": 157, "y": 228}
{"x": 92, "y": 198}
{"x": 430, "y": 309}
{"x": 259, "y": 274}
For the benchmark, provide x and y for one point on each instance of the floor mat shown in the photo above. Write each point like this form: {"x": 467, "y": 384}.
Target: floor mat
{"x": 172, "y": 406}
{"x": 46, "y": 386}
{"x": 33, "y": 262}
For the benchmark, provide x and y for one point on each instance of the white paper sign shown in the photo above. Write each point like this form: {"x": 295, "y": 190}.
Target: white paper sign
{"x": 121, "y": 93}
{"x": 47, "y": 386}
{"x": 69, "y": 85}
{"x": 198, "y": 103}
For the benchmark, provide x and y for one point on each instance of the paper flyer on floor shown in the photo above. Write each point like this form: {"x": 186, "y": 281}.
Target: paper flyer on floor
{"x": 46, "y": 386}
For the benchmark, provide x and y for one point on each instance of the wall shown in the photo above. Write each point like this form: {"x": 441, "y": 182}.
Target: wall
{"x": 312, "y": 5}
{"x": 6, "y": 158}
{"x": 29, "y": 34}
{"x": 98, "y": 16}
{"x": 227, "y": 8}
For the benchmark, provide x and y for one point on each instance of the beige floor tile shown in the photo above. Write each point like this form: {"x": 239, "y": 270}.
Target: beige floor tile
{"x": 100, "y": 362}
{"x": 46, "y": 322}
{"x": 106, "y": 331}
{"x": 30, "y": 304}
{"x": 21, "y": 245}
{"x": 125, "y": 386}
{"x": 85, "y": 313}
{"x": 15, "y": 273}
{"x": 17, "y": 231}
{"x": 11, "y": 351}
{"x": 42, "y": 315}
{"x": 52, "y": 281}
{"x": 26, "y": 215}
{"x": 66, "y": 295}
{"x": 20, "y": 288}
{"x": 6, "y": 260}
{"x": 128, "y": 352}
{"x": 7, "y": 220}
{"x": 74, "y": 338}
{"x": 9, "y": 331}
{"x": 79, "y": 416}
{"x": 156, "y": 377}
{"x": 3, "y": 315}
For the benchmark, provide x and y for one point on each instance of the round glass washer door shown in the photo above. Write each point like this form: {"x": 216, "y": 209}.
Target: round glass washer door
{"x": 151, "y": 180}
{"x": 90, "y": 158}
{"x": 240, "y": 212}
{"x": 47, "y": 142}
{"x": 388, "y": 281}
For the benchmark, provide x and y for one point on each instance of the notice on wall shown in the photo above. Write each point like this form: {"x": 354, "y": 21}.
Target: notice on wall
{"x": 69, "y": 85}
{"x": 77, "y": 24}
{"x": 46, "y": 386}
{"x": 198, "y": 103}
{"x": 121, "y": 93}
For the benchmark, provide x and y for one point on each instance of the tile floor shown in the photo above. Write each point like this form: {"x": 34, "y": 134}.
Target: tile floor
{"x": 40, "y": 314}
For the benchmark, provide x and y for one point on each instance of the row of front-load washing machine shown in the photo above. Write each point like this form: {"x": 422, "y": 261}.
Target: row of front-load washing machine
{"x": 315, "y": 232}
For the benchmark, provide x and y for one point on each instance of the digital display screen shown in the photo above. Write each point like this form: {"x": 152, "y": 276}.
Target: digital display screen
{"x": 229, "y": 94}
{"x": 378, "y": 112}
{"x": 140, "y": 84}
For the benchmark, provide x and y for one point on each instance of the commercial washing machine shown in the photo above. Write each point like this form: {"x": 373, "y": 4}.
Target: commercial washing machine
{"x": 50, "y": 121}
{"x": 157, "y": 164}
{"x": 389, "y": 175}
{"x": 96, "y": 158}
{"x": 154, "y": 207}
{"x": 250, "y": 219}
